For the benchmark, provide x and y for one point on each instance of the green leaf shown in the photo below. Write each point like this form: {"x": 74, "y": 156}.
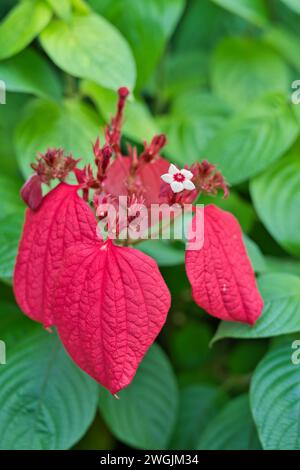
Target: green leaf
{"x": 147, "y": 27}
{"x": 28, "y": 72}
{"x": 14, "y": 325}
{"x": 144, "y": 416}
{"x": 189, "y": 345}
{"x": 203, "y": 24}
{"x": 16, "y": 31}
{"x": 90, "y": 47}
{"x": 62, "y": 8}
{"x": 293, "y": 5}
{"x": 47, "y": 401}
{"x": 139, "y": 125}
{"x": 232, "y": 429}
{"x": 244, "y": 70}
{"x": 276, "y": 197}
{"x": 194, "y": 120}
{"x": 198, "y": 405}
{"x": 255, "y": 255}
{"x": 10, "y": 232}
{"x": 164, "y": 253}
{"x": 72, "y": 126}
{"x": 10, "y": 200}
{"x": 275, "y": 397}
{"x": 251, "y": 141}
{"x": 182, "y": 72}
{"x": 282, "y": 265}
{"x": 251, "y": 10}
{"x": 281, "y": 313}
{"x": 9, "y": 117}
{"x": 286, "y": 43}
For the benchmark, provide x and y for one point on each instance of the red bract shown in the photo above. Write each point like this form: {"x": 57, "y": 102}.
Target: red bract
{"x": 220, "y": 273}
{"x": 123, "y": 178}
{"x": 111, "y": 304}
{"x": 62, "y": 219}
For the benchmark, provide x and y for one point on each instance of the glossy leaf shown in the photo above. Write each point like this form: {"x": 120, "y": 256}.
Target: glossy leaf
{"x": 16, "y": 32}
{"x": 198, "y": 405}
{"x": 72, "y": 126}
{"x": 276, "y": 196}
{"x": 194, "y": 121}
{"x": 160, "y": 16}
{"x": 90, "y": 47}
{"x": 281, "y": 313}
{"x": 10, "y": 230}
{"x": 232, "y": 429}
{"x": 244, "y": 70}
{"x": 50, "y": 409}
{"x": 144, "y": 416}
{"x": 28, "y": 72}
{"x": 254, "y": 11}
{"x": 275, "y": 397}
{"x": 253, "y": 140}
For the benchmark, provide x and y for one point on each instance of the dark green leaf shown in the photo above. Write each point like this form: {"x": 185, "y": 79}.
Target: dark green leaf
{"x": 275, "y": 397}
{"x": 281, "y": 313}
{"x": 10, "y": 232}
{"x": 293, "y": 5}
{"x": 145, "y": 414}
{"x": 232, "y": 429}
{"x": 47, "y": 401}
{"x": 251, "y": 10}
{"x": 255, "y": 255}
{"x": 163, "y": 252}
{"x": 198, "y": 405}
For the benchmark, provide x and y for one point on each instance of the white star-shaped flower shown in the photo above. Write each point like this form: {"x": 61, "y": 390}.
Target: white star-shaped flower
{"x": 178, "y": 179}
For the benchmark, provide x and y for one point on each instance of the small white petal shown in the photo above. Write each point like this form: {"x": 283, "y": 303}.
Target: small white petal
{"x": 177, "y": 187}
{"x": 188, "y": 174}
{"x": 173, "y": 169}
{"x": 189, "y": 185}
{"x": 167, "y": 178}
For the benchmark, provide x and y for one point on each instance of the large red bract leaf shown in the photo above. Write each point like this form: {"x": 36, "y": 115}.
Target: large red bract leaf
{"x": 221, "y": 275}
{"x": 62, "y": 219}
{"x": 110, "y": 305}
{"x": 148, "y": 175}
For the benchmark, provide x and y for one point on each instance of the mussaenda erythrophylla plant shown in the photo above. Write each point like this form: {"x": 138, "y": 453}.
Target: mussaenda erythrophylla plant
{"x": 107, "y": 299}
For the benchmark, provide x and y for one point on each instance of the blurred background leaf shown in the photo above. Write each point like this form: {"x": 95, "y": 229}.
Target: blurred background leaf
{"x": 144, "y": 415}
{"x": 216, "y": 76}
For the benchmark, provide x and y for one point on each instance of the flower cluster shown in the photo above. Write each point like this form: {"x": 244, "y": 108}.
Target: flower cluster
{"x": 108, "y": 300}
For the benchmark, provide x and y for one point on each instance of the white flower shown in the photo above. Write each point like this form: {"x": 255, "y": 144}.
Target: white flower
{"x": 178, "y": 179}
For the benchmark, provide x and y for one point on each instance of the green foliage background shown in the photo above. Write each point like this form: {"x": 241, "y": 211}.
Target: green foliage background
{"x": 216, "y": 76}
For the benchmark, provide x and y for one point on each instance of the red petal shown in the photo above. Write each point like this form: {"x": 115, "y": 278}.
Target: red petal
{"x": 111, "y": 304}
{"x": 148, "y": 174}
{"x": 220, "y": 273}
{"x": 62, "y": 219}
